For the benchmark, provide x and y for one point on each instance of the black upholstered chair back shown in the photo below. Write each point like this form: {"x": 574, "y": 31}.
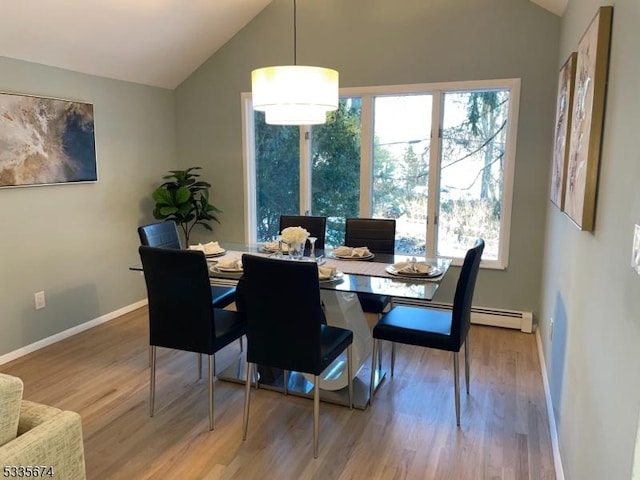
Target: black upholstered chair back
{"x": 378, "y": 234}
{"x": 461, "y": 316}
{"x": 316, "y": 226}
{"x": 165, "y": 235}
{"x": 283, "y": 313}
{"x": 161, "y": 235}
{"x": 180, "y": 313}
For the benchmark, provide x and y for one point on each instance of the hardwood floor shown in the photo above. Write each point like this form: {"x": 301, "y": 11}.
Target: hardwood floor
{"x": 409, "y": 433}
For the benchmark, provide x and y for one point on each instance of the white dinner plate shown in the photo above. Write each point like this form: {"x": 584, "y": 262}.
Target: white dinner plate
{"x": 216, "y": 254}
{"x": 349, "y": 257}
{"x": 216, "y": 268}
{"x": 338, "y": 276}
{"x": 433, "y": 272}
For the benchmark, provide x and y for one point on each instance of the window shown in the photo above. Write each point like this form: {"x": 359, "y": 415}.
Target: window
{"x": 401, "y": 148}
{"x": 335, "y": 168}
{"x": 439, "y": 159}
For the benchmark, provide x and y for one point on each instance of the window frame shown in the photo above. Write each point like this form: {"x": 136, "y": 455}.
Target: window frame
{"x": 367, "y": 94}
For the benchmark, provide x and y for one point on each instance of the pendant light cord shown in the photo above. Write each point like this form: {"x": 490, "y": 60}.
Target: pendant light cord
{"x": 295, "y": 28}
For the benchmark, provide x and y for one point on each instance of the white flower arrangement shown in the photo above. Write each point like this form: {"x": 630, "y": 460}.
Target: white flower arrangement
{"x": 294, "y": 235}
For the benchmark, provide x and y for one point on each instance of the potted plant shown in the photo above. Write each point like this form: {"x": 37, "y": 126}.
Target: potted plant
{"x": 185, "y": 199}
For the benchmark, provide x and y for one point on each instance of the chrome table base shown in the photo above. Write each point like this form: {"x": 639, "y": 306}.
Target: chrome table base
{"x": 297, "y": 384}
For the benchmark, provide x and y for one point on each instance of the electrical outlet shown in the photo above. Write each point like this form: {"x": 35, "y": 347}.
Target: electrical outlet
{"x": 39, "y": 300}
{"x": 551, "y": 328}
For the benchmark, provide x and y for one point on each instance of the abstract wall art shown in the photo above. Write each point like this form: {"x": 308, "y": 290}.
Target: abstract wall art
{"x": 587, "y": 120}
{"x": 564, "y": 104}
{"x": 45, "y": 141}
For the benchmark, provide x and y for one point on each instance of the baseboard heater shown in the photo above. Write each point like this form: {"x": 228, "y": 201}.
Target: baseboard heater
{"x": 494, "y": 317}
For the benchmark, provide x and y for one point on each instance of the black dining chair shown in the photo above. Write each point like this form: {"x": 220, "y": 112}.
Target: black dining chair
{"x": 442, "y": 330}
{"x": 316, "y": 226}
{"x": 165, "y": 235}
{"x": 161, "y": 235}
{"x": 289, "y": 334}
{"x": 379, "y": 236}
{"x": 181, "y": 314}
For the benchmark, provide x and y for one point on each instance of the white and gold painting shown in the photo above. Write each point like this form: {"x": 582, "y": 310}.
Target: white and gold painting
{"x": 587, "y": 120}
{"x": 45, "y": 141}
{"x": 635, "y": 251}
{"x": 564, "y": 104}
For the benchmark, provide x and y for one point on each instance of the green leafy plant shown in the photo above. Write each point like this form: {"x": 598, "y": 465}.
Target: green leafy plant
{"x": 185, "y": 199}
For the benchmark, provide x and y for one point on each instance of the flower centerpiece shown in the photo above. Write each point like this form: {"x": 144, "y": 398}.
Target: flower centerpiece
{"x": 295, "y": 237}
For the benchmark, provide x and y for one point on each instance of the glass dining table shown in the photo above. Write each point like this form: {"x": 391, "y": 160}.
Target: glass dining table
{"x": 377, "y": 274}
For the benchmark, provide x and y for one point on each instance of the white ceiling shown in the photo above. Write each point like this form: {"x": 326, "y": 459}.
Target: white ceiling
{"x": 555, "y": 6}
{"x": 153, "y": 42}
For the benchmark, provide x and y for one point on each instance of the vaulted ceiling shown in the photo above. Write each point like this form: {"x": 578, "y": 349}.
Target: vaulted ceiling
{"x": 153, "y": 42}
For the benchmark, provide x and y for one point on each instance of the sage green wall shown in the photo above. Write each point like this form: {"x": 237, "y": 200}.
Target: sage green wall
{"x": 75, "y": 242}
{"x": 384, "y": 42}
{"x": 589, "y": 287}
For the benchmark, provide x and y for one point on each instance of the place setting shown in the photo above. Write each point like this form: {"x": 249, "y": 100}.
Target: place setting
{"x": 352, "y": 253}
{"x": 211, "y": 249}
{"x": 413, "y": 269}
{"x": 275, "y": 246}
{"x": 229, "y": 266}
{"x": 328, "y": 274}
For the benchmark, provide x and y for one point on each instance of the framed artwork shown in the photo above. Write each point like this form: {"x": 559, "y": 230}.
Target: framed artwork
{"x": 635, "y": 255}
{"x": 587, "y": 120}
{"x": 45, "y": 141}
{"x": 564, "y": 104}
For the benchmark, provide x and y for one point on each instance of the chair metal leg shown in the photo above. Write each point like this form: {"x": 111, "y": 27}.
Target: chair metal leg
{"x": 350, "y": 374}
{"x": 393, "y": 357}
{"x": 152, "y": 374}
{"x": 285, "y": 379}
{"x": 379, "y": 350}
{"x": 255, "y": 376}
{"x": 316, "y": 413}
{"x": 199, "y": 366}
{"x": 376, "y": 343}
{"x": 212, "y": 368}
{"x": 467, "y": 360}
{"x": 456, "y": 387}
{"x": 247, "y": 394}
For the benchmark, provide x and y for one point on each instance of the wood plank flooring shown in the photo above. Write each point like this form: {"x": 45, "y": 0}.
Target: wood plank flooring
{"x": 409, "y": 433}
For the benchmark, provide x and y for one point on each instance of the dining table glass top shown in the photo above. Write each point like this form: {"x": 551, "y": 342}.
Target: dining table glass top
{"x": 374, "y": 275}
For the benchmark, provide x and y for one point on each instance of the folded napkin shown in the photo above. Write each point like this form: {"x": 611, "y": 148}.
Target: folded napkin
{"x": 360, "y": 252}
{"x": 344, "y": 251}
{"x": 230, "y": 264}
{"x": 272, "y": 245}
{"x": 208, "y": 248}
{"x": 324, "y": 273}
{"x": 413, "y": 267}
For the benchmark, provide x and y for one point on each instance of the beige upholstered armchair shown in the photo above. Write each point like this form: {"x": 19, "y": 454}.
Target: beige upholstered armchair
{"x": 34, "y": 436}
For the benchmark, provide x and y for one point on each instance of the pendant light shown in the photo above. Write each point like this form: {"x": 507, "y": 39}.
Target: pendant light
{"x": 295, "y": 94}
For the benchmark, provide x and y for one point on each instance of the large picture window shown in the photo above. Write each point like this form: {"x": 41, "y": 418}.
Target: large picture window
{"x": 439, "y": 159}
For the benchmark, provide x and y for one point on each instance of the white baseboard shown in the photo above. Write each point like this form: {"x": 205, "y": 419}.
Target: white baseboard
{"x": 553, "y": 429}
{"x": 45, "y": 342}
